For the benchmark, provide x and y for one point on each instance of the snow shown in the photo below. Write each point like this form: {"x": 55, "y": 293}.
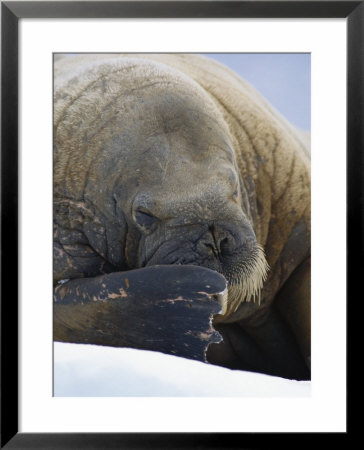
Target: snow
{"x": 94, "y": 371}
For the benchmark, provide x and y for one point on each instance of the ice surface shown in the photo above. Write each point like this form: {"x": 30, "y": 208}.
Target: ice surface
{"x": 94, "y": 371}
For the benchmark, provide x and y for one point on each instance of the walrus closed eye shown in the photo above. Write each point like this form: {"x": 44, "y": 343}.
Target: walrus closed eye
{"x": 166, "y": 160}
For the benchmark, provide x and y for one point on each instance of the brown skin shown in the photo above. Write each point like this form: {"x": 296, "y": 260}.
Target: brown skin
{"x": 155, "y": 176}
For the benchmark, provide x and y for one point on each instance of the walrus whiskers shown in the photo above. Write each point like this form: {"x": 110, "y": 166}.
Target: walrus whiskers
{"x": 247, "y": 287}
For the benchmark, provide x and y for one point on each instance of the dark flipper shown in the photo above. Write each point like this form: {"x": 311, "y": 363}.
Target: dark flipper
{"x": 162, "y": 308}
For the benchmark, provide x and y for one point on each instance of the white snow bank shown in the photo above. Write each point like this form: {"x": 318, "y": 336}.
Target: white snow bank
{"x": 96, "y": 371}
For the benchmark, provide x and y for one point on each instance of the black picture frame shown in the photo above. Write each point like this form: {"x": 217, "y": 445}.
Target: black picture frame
{"x": 11, "y": 12}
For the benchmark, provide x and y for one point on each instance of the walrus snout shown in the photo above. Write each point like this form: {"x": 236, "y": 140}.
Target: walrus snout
{"x": 216, "y": 246}
{"x": 228, "y": 250}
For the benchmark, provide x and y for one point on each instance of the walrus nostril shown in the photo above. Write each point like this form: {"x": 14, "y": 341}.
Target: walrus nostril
{"x": 217, "y": 242}
{"x": 224, "y": 245}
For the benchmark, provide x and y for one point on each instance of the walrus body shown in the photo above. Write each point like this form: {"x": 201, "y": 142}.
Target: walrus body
{"x": 173, "y": 159}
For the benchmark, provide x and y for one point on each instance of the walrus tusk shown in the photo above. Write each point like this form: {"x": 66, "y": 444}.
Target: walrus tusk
{"x": 222, "y": 298}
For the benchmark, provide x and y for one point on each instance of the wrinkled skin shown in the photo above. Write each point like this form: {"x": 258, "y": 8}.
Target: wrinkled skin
{"x": 155, "y": 181}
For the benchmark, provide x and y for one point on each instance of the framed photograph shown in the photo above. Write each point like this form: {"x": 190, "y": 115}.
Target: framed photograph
{"x": 49, "y": 49}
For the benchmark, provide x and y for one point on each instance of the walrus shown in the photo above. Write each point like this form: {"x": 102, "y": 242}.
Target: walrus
{"x": 173, "y": 159}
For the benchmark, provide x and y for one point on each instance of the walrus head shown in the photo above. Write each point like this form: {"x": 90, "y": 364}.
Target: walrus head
{"x": 163, "y": 169}
{"x": 184, "y": 201}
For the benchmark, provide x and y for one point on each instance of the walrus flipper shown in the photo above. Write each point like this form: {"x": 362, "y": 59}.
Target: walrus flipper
{"x": 162, "y": 308}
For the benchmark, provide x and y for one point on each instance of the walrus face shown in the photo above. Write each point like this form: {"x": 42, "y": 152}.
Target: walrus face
{"x": 183, "y": 200}
{"x": 209, "y": 229}
{"x": 187, "y": 209}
